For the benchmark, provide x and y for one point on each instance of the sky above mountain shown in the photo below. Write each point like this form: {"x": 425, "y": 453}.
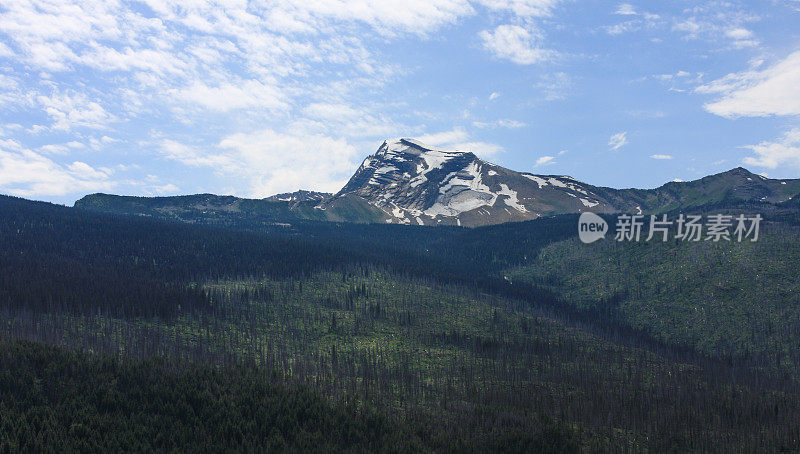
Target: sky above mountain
{"x": 257, "y": 98}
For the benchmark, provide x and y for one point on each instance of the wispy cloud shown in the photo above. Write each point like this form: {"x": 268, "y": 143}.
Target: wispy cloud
{"x": 724, "y": 22}
{"x": 201, "y": 85}
{"x": 459, "y": 139}
{"x": 634, "y": 20}
{"x": 501, "y": 123}
{"x": 24, "y": 172}
{"x": 618, "y": 140}
{"x": 545, "y": 160}
{"x": 661, "y": 156}
{"x": 555, "y": 86}
{"x": 444, "y": 138}
{"x": 515, "y": 43}
{"x": 774, "y": 90}
{"x": 626, "y": 9}
{"x": 783, "y": 151}
{"x": 69, "y": 110}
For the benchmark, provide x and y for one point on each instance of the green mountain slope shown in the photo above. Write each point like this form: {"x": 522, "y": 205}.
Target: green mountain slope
{"x": 726, "y": 299}
{"x": 223, "y": 210}
{"x": 732, "y": 186}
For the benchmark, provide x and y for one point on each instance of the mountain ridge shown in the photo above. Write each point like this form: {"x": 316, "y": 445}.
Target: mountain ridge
{"x": 408, "y": 182}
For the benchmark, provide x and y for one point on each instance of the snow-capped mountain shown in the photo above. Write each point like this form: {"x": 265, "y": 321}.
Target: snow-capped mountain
{"x": 413, "y": 183}
{"x": 408, "y": 182}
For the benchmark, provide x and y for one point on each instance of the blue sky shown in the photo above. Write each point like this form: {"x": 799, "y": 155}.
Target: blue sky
{"x": 255, "y": 98}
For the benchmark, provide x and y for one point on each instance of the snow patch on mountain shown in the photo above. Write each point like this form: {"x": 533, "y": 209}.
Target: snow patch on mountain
{"x": 539, "y": 180}
{"x": 589, "y": 203}
{"x": 463, "y": 190}
{"x": 511, "y": 198}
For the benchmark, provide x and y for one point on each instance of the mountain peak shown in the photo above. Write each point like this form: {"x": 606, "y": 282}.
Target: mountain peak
{"x": 739, "y": 171}
{"x": 412, "y": 182}
{"x": 413, "y": 147}
{"x": 739, "y": 174}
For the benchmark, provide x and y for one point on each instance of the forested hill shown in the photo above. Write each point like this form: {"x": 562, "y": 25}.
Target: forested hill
{"x": 53, "y": 255}
{"x": 172, "y": 251}
{"x": 60, "y": 401}
{"x": 460, "y": 340}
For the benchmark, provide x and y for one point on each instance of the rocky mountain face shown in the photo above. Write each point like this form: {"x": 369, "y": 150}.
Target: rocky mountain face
{"x": 413, "y": 183}
{"x": 408, "y": 182}
{"x": 416, "y": 184}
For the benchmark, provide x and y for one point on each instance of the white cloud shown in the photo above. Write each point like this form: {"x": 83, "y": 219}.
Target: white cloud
{"x": 10, "y": 92}
{"x": 624, "y": 27}
{"x": 6, "y": 129}
{"x": 344, "y": 119}
{"x": 413, "y": 16}
{"x": 494, "y": 96}
{"x": 70, "y": 110}
{"x": 251, "y": 94}
{"x": 635, "y": 20}
{"x": 304, "y": 68}
{"x": 718, "y": 21}
{"x": 618, "y": 140}
{"x": 481, "y": 149}
{"x": 98, "y": 144}
{"x": 689, "y": 26}
{"x": 273, "y": 162}
{"x": 555, "y": 86}
{"x": 194, "y": 157}
{"x": 783, "y": 151}
{"x": 515, "y": 43}
{"x": 545, "y": 160}
{"x": 266, "y": 162}
{"x": 86, "y": 172}
{"x": 5, "y": 51}
{"x": 738, "y": 33}
{"x": 445, "y": 138}
{"x": 523, "y": 8}
{"x": 626, "y": 9}
{"x": 758, "y": 93}
{"x": 500, "y": 123}
{"x": 220, "y": 56}
{"x": 168, "y": 188}
{"x": 672, "y": 77}
{"x": 459, "y": 139}
{"x": 661, "y": 156}
{"x": 53, "y": 149}
{"x": 331, "y": 111}
{"x": 26, "y": 173}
